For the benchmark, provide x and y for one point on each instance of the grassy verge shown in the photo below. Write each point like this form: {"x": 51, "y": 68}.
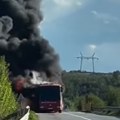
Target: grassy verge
{"x": 33, "y": 116}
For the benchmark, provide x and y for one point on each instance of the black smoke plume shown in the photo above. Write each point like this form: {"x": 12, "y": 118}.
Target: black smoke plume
{"x": 20, "y": 40}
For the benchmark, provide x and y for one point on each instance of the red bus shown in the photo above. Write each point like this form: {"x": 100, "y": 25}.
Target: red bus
{"x": 45, "y": 97}
{"x": 50, "y": 98}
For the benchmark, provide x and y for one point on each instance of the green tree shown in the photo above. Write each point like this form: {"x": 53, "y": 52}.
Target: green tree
{"x": 86, "y": 103}
{"x": 79, "y": 103}
{"x": 8, "y": 102}
{"x": 96, "y": 102}
{"x": 82, "y": 83}
{"x": 116, "y": 74}
{"x": 113, "y": 96}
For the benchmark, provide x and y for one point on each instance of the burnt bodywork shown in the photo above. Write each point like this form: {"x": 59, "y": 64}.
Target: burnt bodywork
{"x": 44, "y": 98}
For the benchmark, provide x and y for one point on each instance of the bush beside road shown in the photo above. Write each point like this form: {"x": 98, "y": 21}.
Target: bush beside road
{"x": 9, "y": 107}
{"x": 33, "y": 116}
{"x": 8, "y": 104}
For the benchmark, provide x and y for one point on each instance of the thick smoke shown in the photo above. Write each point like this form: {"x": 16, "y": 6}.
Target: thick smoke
{"x": 21, "y": 42}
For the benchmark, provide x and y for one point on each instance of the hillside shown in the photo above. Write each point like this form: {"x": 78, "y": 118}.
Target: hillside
{"x": 100, "y": 88}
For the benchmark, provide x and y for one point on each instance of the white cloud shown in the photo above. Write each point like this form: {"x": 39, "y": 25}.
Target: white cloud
{"x": 62, "y": 2}
{"x": 92, "y": 47}
{"x": 55, "y": 9}
{"x": 68, "y": 3}
{"x": 78, "y": 3}
{"x": 105, "y": 17}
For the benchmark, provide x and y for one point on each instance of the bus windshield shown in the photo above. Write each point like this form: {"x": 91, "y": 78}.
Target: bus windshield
{"x": 49, "y": 93}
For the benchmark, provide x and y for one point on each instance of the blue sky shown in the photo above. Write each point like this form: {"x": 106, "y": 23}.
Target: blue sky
{"x": 87, "y": 26}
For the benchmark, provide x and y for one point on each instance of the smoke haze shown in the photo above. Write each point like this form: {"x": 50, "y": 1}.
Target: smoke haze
{"x": 20, "y": 40}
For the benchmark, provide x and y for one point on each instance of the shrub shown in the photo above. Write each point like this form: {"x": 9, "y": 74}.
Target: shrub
{"x": 86, "y": 103}
{"x": 113, "y": 96}
{"x": 79, "y": 102}
{"x": 33, "y": 116}
{"x": 8, "y": 102}
{"x": 96, "y": 102}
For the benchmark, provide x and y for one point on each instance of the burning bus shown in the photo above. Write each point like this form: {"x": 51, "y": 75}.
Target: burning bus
{"x": 24, "y": 49}
{"x": 46, "y": 97}
{"x": 42, "y": 97}
{"x": 50, "y": 97}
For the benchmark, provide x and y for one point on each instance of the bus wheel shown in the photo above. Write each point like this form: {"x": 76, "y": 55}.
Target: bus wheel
{"x": 60, "y": 111}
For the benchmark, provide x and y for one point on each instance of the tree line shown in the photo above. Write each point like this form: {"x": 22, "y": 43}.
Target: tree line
{"x": 85, "y": 91}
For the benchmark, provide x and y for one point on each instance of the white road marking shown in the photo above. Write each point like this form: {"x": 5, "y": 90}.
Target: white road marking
{"x": 78, "y": 116}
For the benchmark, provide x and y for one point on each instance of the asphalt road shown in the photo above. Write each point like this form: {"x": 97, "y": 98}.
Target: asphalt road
{"x": 74, "y": 116}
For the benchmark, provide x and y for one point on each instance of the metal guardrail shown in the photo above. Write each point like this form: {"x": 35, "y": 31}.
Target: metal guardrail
{"x": 22, "y": 114}
{"x": 26, "y": 116}
{"x": 106, "y": 110}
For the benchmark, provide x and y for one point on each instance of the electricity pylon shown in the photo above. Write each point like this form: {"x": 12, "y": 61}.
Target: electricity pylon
{"x": 91, "y": 57}
{"x": 81, "y": 57}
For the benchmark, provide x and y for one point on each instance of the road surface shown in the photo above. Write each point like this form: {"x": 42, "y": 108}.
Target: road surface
{"x": 74, "y": 116}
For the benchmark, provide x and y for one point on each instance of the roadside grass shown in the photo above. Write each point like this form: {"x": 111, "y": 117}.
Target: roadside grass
{"x": 33, "y": 116}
